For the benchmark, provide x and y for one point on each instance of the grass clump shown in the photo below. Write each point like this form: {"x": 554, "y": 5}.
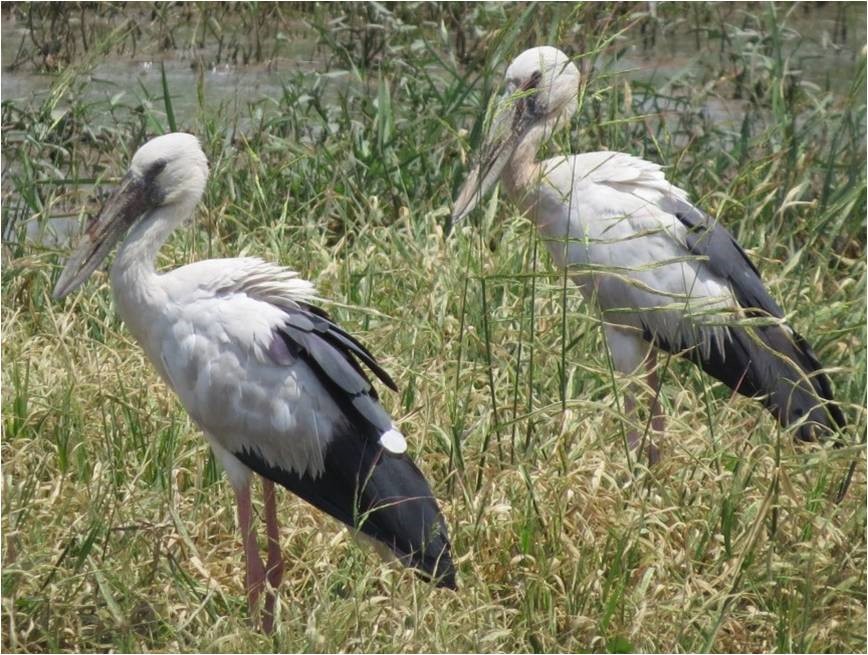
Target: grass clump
{"x": 118, "y": 531}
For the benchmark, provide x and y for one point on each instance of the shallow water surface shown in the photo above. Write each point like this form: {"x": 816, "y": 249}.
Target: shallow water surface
{"x": 122, "y": 79}
{"x": 668, "y": 60}
{"x": 659, "y": 61}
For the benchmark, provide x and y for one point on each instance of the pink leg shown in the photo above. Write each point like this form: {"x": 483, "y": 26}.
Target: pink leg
{"x": 635, "y": 438}
{"x": 658, "y": 421}
{"x": 628, "y": 352}
{"x": 255, "y": 572}
{"x": 274, "y": 567}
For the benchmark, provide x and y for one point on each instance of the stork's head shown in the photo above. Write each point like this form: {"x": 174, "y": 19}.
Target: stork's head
{"x": 169, "y": 171}
{"x": 541, "y": 89}
{"x": 172, "y": 166}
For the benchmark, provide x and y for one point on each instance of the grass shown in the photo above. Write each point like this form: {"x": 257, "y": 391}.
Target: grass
{"x": 118, "y": 529}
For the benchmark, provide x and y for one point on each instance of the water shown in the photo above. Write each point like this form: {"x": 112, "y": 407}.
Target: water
{"x": 135, "y": 80}
{"x": 671, "y": 59}
{"x": 823, "y": 62}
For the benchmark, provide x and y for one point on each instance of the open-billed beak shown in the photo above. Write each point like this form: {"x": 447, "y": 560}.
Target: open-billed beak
{"x": 515, "y": 114}
{"x": 126, "y": 204}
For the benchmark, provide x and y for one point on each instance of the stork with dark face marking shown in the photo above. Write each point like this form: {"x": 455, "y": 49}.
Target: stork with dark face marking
{"x": 665, "y": 275}
{"x": 276, "y": 387}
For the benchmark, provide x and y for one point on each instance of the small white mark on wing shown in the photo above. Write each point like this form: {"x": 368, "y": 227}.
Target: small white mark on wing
{"x": 393, "y": 441}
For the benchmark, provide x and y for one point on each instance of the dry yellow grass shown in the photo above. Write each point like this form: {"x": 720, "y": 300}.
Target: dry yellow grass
{"x": 118, "y": 529}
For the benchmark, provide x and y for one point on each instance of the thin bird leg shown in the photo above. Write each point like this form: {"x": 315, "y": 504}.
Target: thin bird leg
{"x": 255, "y": 571}
{"x": 637, "y": 438}
{"x": 634, "y": 437}
{"x": 658, "y": 421}
{"x": 628, "y": 352}
{"x": 274, "y": 566}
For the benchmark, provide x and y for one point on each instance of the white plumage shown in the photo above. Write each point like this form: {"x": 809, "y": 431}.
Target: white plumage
{"x": 276, "y": 387}
{"x": 210, "y": 332}
{"x": 662, "y": 272}
{"x": 627, "y": 253}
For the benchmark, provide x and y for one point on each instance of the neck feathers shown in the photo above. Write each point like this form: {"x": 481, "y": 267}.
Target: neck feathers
{"x": 134, "y": 267}
{"x": 523, "y": 170}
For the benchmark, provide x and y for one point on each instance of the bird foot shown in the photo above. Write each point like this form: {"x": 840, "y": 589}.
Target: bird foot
{"x": 274, "y": 577}
{"x": 255, "y": 582}
{"x": 259, "y": 581}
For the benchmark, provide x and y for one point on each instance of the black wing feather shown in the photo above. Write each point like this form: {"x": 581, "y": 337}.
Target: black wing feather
{"x": 707, "y": 238}
{"x": 346, "y": 342}
{"x": 793, "y": 384}
{"x": 331, "y": 355}
{"x": 384, "y": 496}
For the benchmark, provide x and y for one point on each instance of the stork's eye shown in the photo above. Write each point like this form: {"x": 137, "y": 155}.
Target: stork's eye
{"x": 153, "y": 191}
{"x": 533, "y": 81}
{"x": 530, "y": 102}
{"x": 154, "y": 170}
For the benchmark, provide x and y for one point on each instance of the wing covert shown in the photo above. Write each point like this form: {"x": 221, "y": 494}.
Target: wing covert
{"x": 308, "y": 334}
{"x": 707, "y": 238}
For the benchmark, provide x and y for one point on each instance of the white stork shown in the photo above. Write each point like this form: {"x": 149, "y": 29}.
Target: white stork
{"x": 663, "y": 273}
{"x": 273, "y": 383}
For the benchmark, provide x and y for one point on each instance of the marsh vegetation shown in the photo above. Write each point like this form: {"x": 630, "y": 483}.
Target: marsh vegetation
{"x": 337, "y": 137}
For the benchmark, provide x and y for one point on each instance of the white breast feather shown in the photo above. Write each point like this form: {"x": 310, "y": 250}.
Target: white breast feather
{"x": 210, "y": 341}
{"x": 601, "y": 214}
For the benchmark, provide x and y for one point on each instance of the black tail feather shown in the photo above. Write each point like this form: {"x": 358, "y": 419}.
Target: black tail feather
{"x": 777, "y": 366}
{"x": 768, "y": 361}
{"x": 384, "y": 496}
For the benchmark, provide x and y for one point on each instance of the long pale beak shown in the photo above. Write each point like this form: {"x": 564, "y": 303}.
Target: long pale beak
{"x": 513, "y": 118}
{"x": 126, "y": 204}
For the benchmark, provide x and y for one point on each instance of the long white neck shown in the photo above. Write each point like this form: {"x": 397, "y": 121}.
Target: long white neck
{"x": 135, "y": 282}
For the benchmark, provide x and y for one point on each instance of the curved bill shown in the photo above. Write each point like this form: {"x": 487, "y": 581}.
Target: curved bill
{"x": 126, "y": 204}
{"x": 514, "y": 117}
